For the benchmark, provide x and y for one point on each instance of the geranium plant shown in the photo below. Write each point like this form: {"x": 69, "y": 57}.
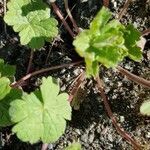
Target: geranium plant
{"x": 41, "y": 115}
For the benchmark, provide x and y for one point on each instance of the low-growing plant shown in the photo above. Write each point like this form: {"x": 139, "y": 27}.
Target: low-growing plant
{"x": 37, "y": 116}
{"x": 41, "y": 115}
{"x": 32, "y": 20}
{"x": 107, "y": 42}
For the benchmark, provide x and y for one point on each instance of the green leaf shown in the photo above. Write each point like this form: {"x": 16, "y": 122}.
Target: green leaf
{"x": 41, "y": 115}
{"x": 4, "y": 107}
{"x": 31, "y": 18}
{"x": 132, "y": 36}
{"x": 74, "y": 146}
{"x": 106, "y": 43}
{"x": 100, "y": 21}
{"x": 4, "y": 87}
{"x": 6, "y": 70}
{"x": 145, "y": 108}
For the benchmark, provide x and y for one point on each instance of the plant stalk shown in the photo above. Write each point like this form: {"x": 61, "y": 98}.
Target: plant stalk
{"x": 146, "y": 32}
{"x": 30, "y": 61}
{"x": 5, "y": 9}
{"x": 49, "y": 52}
{"x": 44, "y": 146}
{"x": 59, "y": 14}
{"x": 132, "y": 77}
{"x": 23, "y": 79}
{"x": 70, "y": 16}
{"x": 124, "y": 9}
{"x": 113, "y": 119}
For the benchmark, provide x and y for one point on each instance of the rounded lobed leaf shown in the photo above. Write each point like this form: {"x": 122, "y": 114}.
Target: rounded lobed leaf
{"x": 106, "y": 42}
{"x": 32, "y": 20}
{"x": 41, "y": 115}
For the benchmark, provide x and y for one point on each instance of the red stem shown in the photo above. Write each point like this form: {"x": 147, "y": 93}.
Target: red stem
{"x": 49, "y": 52}
{"x": 70, "y": 16}
{"x": 19, "y": 82}
{"x": 59, "y": 14}
{"x": 133, "y": 77}
{"x": 110, "y": 114}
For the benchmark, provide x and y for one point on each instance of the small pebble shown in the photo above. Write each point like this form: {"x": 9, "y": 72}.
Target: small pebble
{"x": 148, "y": 135}
{"x": 122, "y": 119}
{"x": 110, "y": 138}
{"x": 91, "y": 138}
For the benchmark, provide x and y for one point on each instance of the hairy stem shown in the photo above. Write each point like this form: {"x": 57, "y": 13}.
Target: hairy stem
{"x": 19, "y": 82}
{"x": 113, "y": 119}
{"x": 134, "y": 78}
{"x": 59, "y": 14}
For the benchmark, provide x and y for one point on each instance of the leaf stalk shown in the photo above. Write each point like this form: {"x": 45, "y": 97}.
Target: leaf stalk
{"x": 23, "y": 79}
{"x": 112, "y": 117}
{"x": 59, "y": 14}
{"x": 135, "y": 78}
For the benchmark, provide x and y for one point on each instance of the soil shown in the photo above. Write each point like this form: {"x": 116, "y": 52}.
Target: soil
{"x": 90, "y": 125}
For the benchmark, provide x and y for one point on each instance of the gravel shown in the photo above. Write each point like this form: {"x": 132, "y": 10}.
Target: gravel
{"x": 90, "y": 125}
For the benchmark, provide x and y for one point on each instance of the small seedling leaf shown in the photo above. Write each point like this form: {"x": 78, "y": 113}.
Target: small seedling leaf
{"x": 106, "y": 42}
{"x": 41, "y": 115}
{"x": 145, "y": 108}
{"x": 32, "y": 20}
